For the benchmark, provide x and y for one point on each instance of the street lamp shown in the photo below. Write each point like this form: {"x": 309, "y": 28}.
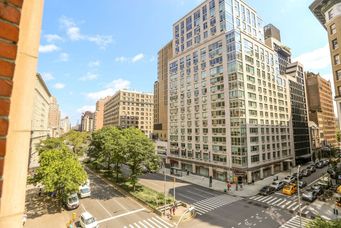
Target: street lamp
{"x": 298, "y": 193}
{"x": 190, "y": 209}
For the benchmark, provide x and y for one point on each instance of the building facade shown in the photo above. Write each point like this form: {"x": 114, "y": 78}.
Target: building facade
{"x": 99, "y": 113}
{"x": 321, "y": 109}
{"x": 314, "y": 140}
{"x": 299, "y": 112}
{"x": 88, "y": 121}
{"x": 161, "y": 93}
{"x": 40, "y": 118}
{"x": 130, "y": 109}
{"x": 20, "y": 29}
{"x": 65, "y": 125}
{"x": 228, "y": 104}
{"x": 328, "y": 12}
{"x": 54, "y": 118}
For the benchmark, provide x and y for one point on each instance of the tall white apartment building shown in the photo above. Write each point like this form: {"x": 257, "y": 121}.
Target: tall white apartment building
{"x": 228, "y": 104}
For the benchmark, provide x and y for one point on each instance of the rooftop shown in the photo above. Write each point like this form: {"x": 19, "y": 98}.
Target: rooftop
{"x": 319, "y": 7}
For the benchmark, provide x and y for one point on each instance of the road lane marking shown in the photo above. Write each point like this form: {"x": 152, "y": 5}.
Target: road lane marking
{"x": 272, "y": 200}
{"x": 195, "y": 194}
{"x": 208, "y": 193}
{"x": 149, "y": 225}
{"x": 137, "y": 225}
{"x": 158, "y": 222}
{"x": 163, "y": 221}
{"x": 273, "y": 203}
{"x": 103, "y": 207}
{"x": 286, "y": 204}
{"x": 294, "y": 203}
{"x": 83, "y": 207}
{"x": 121, "y": 215}
{"x": 279, "y": 204}
{"x": 142, "y": 224}
{"x": 187, "y": 197}
{"x": 269, "y": 199}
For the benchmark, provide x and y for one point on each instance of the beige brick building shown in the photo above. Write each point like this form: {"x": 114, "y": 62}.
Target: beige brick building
{"x": 88, "y": 121}
{"x": 54, "y": 118}
{"x": 320, "y": 106}
{"x": 99, "y": 113}
{"x": 161, "y": 93}
{"x": 130, "y": 109}
{"x": 328, "y": 12}
{"x": 40, "y": 119}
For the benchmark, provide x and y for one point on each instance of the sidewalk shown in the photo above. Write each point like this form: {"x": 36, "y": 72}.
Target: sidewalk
{"x": 247, "y": 190}
{"x": 325, "y": 209}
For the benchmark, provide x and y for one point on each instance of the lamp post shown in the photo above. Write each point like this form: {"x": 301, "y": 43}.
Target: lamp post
{"x": 190, "y": 209}
{"x": 298, "y": 193}
{"x": 164, "y": 186}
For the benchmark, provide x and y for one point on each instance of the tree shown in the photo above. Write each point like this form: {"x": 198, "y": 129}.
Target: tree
{"x": 51, "y": 143}
{"x": 140, "y": 153}
{"x": 321, "y": 223}
{"x": 59, "y": 171}
{"x": 107, "y": 146}
{"x": 77, "y": 140}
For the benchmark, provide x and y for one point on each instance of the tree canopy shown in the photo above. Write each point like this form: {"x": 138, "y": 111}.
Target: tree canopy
{"x": 79, "y": 141}
{"x": 322, "y": 223}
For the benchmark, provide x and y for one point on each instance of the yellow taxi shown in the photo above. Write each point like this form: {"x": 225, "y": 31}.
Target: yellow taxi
{"x": 289, "y": 189}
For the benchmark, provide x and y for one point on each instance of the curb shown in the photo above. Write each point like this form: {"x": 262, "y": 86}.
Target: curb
{"x": 124, "y": 192}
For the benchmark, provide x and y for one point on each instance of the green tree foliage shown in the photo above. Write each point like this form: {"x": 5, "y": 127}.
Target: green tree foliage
{"x": 79, "y": 141}
{"x": 59, "y": 170}
{"x": 107, "y": 146}
{"x": 51, "y": 143}
{"x": 338, "y": 136}
{"x": 321, "y": 223}
{"x": 140, "y": 153}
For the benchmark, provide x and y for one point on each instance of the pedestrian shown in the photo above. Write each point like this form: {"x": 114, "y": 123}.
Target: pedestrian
{"x": 253, "y": 181}
{"x": 170, "y": 211}
{"x": 39, "y": 194}
{"x": 228, "y": 186}
{"x": 174, "y": 210}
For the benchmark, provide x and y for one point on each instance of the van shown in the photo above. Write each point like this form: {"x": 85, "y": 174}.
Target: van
{"x": 71, "y": 202}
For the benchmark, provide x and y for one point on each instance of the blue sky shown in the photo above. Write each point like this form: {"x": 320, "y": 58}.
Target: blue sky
{"x": 92, "y": 48}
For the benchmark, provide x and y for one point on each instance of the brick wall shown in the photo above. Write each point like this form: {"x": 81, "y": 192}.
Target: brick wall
{"x": 10, "y": 11}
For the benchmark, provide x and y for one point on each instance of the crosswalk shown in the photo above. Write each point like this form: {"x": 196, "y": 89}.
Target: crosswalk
{"x": 212, "y": 203}
{"x": 295, "y": 222}
{"x": 153, "y": 222}
{"x": 284, "y": 203}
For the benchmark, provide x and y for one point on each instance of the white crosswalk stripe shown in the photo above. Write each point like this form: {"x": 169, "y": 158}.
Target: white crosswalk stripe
{"x": 285, "y": 203}
{"x": 212, "y": 203}
{"x": 152, "y": 222}
{"x": 295, "y": 222}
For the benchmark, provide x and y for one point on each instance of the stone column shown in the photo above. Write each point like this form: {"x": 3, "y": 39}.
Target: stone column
{"x": 210, "y": 171}
{"x": 272, "y": 169}
{"x": 261, "y": 173}
{"x": 193, "y": 168}
{"x": 249, "y": 177}
{"x": 281, "y": 166}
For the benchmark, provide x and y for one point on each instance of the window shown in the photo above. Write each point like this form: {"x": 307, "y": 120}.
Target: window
{"x": 333, "y": 29}
{"x": 335, "y": 44}
{"x": 338, "y": 75}
{"x": 330, "y": 14}
{"x": 339, "y": 89}
{"x": 336, "y": 59}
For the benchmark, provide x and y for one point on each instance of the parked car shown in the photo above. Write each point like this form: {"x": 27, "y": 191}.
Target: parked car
{"x": 278, "y": 185}
{"x": 267, "y": 190}
{"x": 306, "y": 172}
{"x": 71, "y": 202}
{"x": 325, "y": 162}
{"x": 317, "y": 188}
{"x": 84, "y": 191}
{"x": 311, "y": 168}
{"x": 309, "y": 195}
{"x": 289, "y": 179}
{"x": 302, "y": 184}
{"x": 319, "y": 165}
{"x": 297, "y": 175}
{"x": 88, "y": 221}
{"x": 289, "y": 189}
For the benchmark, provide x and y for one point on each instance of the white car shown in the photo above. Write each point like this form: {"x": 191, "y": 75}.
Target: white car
{"x": 84, "y": 191}
{"x": 88, "y": 221}
{"x": 278, "y": 185}
{"x": 72, "y": 201}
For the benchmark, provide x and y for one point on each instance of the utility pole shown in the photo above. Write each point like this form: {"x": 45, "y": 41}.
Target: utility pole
{"x": 298, "y": 193}
{"x": 174, "y": 188}
{"x": 164, "y": 186}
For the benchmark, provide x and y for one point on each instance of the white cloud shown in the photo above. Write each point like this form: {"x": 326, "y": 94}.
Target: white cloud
{"x": 85, "y": 108}
{"x": 95, "y": 63}
{"x": 64, "y": 57}
{"x": 316, "y": 59}
{"x": 121, "y": 59}
{"x": 47, "y": 76}
{"x": 59, "y": 86}
{"x": 110, "y": 89}
{"x": 89, "y": 77}
{"x": 137, "y": 57}
{"x": 48, "y": 48}
{"x": 53, "y": 37}
{"x": 74, "y": 33}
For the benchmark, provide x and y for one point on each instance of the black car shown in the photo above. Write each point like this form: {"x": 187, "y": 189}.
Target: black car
{"x": 306, "y": 172}
{"x": 317, "y": 188}
{"x": 267, "y": 190}
{"x": 311, "y": 168}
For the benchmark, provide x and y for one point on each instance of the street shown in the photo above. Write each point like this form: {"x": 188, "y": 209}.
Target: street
{"x": 217, "y": 209}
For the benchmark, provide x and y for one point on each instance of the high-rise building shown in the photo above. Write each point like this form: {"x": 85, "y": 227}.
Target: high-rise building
{"x": 314, "y": 140}
{"x": 99, "y": 113}
{"x": 54, "y": 118}
{"x": 328, "y": 12}
{"x": 229, "y": 106}
{"x": 20, "y": 29}
{"x": 65, "y": 125}
{"x": 130, "y": 109}
{"x": 299, "y": 112}
{"x": 40, "y": 118}
{"x": 161, "y": 93}
{"x": 321, "y": 109}
{"x": 272, "y": 37}
{"x": 88, "y": 121}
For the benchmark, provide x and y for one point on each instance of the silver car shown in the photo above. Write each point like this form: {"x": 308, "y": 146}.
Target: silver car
{"x": 278, "y": 185}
